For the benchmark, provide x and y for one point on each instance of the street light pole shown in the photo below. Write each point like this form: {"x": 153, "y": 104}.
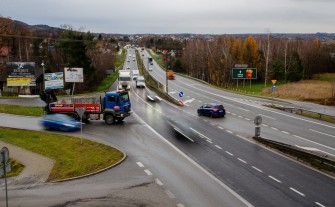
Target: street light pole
{"x": 43, "y": 84}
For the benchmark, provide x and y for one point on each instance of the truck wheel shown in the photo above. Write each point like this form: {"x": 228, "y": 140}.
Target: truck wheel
{"x": 109, "y": 119}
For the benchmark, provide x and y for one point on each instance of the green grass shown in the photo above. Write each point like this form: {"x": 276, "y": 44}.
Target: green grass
{"x": 21, "y": 110}
{"x": 16, "y": 168}
{"x": 317, "y": 116}
{"x": 325, "y": 77}
{"x": 71, "y": 158}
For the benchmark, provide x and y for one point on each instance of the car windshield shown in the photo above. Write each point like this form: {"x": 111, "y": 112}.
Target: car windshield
{"x": 59, "y": 118}
{"x": 218, "y": 107}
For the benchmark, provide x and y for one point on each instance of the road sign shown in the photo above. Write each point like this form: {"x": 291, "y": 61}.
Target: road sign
{"x": 80, "y": 111}
{"x": 273, "y": 86}
{"x": 258, "y": 120}
{"x": 244, "y": 73}
{"x": 273, "y": 81}
{"x": 4, "y": 155}
{"x": 181, "y": 94}
{"x": 8, "y": 169}
{"x": 241, "y": 65}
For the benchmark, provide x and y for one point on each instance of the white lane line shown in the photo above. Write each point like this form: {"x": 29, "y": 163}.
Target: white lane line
{"x": 230, "y": 132}
{"x": 228, "y": 112}
{"x": 274, "y": 128}
{"x": 231, "y": 154}
{"x": 220, "y": 127}
{"x": 259, "y": 170}
{"x": 148, "y": 172}
{"x": 247, "y": 119}
{"x": 212, "y": 124}
{"x": 218, "y": 147}
{"x": 168, "y": 193}
{"x": 285, "y": 132}
{"x": 233, "y": 114}
{"x": 313, "y": 142}
{"x": 158, "y": 182}
{"x": 139, "y": 164}
{"x": 275, "y": 179}
{"x": 180, "y": 205}
{"x": 242, "y": 160}
{"x": 201, "y": 135}
{"x": 267, "y": 116}
{"x": 209, "y": 141}
{"x": 298, "y": 192}
{"x": 322, "y": 133}
{"x": 319, "y": 204}
{"x": 240, "y": 117}
{"x": 264, "y": 125}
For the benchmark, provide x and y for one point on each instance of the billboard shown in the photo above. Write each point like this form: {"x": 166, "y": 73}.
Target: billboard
{"x": 20, "y": 69}
{"x": 244, "y": 73}
{"x": 21, "y": 81}
{"x": 54, "y": 80}
{"x": 74, "y": 75}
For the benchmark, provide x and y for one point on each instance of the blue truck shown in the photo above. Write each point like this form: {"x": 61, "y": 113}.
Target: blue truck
{"x": 113, "y": 107}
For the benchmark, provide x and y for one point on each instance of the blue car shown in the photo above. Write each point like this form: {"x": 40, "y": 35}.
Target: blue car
{"x": 61, "y": 122}
{"x": 212, "y": 110}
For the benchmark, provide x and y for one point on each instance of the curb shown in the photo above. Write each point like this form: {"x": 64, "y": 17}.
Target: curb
{"x": 90, "y": 174}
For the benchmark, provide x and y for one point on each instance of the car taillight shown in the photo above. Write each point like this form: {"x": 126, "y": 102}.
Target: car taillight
{"x": 215, "y": 110}
{"x": 116, "y": 108}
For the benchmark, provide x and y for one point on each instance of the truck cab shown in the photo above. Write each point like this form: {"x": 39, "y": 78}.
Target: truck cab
{"x": 117, "y": 106}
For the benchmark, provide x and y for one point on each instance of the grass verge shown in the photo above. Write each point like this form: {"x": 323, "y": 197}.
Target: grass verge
{"x": 16, "y": 168}
{"x": 21, "y": 110}
{"x": 72, "y": 159}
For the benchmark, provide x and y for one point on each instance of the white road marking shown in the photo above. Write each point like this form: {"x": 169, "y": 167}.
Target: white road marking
{"x": 230, "y": 132}
{"x": 247, "y": 119}
{"x": 218, "y": 147}
{"x": 322, "y": 133}
{"x": 231, "y": 154}
{"x": 319, "y": 204}
{"x": 209, "y": 141}
{"x": 220, "y": 127}
{"x": 274, "y": 128}
{"x": 169, "y": 194}
{"x": 228, "y": 112}
{"x": 240, "y": 117}
{"x": 233, "y": 114}
{"x": 298, "y": 192}
{"x": 158, "y": 182}
{"x": 259, "y": 170}
{"x": 264, "y": 125}
{"x": 267, "y": 116}
{"x": 313, "y": 142}
{"x": 148, "y": 172}
{"x": 139, "y": 164}
{"x": 180, "y": 205}
{"x": 285, "y": 132}
{"x": 275, "y": 179}
{"x": 201, "y": 135}
{"x": 212, "y": 124}
{"x": 242, "y": 160}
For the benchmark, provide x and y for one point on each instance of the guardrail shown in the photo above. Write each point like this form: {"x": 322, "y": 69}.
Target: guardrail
{"x": 321, "y": 161}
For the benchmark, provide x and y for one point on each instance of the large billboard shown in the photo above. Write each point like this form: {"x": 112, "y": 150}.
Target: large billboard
{"x": 21, "y": 81}
{"x": 54, "y": 80}
{"x": 20, "y": 69}
{"x": 74, "y": 75}
{"x": 244, "y": 73}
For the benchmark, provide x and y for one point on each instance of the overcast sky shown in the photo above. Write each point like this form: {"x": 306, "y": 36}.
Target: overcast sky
{"x": 177, "y": 16}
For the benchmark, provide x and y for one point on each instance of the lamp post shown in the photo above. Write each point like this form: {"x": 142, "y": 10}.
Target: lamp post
{"x": 43, "y": 86}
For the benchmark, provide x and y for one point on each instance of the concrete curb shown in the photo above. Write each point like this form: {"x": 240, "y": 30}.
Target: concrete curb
{"x": 94, "y": 173}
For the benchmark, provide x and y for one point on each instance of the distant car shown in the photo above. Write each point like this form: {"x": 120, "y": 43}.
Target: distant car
{"x": 61, "y": 122}
{"x": 128, "y": 67}
{"x": 151, "y": 63}
{"x": 150, "y": 68}
{"x": 140, "y": 82}
{"x": 212, "y": 110}
{"x": 134, "y": 59}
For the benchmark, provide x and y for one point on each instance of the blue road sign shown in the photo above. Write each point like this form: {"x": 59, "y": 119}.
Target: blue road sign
{"x": 181, "y": 94}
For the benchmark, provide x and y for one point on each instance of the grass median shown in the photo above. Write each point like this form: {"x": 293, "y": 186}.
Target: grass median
{"x": 72, "y": 158}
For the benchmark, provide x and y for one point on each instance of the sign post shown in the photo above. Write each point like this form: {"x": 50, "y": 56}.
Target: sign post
{"x": 81, "y": 112}
{"x": 257, "y": 122}
{"x": 5, "y": 168}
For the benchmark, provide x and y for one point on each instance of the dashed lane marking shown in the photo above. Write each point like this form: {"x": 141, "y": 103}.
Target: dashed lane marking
{"x": 231, "y": 154}
{"x": 259, "y": 170}
{"x": 158, "y": 182}
{"x": 275, "y": 179}
{"x": 148, "y": 172}
{"x": 298, "y": 192}
{"x": 170, "y": 194}
{"x": 218, "y": 147}
{"x": 274, "y": 128}
{"x": 285, "y": 132}
{"x": 319, "y": 204}
{"x": 139, "y": 164}
{"x": 242, "y": 160}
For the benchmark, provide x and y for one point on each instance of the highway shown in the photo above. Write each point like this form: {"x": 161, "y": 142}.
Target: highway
{"x": 223, "y": 146}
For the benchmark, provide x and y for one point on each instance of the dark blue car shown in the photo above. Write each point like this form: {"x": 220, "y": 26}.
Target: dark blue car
{"x": 61, "y": 122}
{"x": 212, "y": 110}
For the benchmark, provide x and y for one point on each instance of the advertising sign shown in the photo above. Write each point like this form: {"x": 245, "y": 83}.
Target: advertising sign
{"x": 20, "y": 69}
{"x": 75, "y": 75}
{"x": 21, "y": 81}
{"x": 54, "y": 80}
{"x": 244, "y": 73}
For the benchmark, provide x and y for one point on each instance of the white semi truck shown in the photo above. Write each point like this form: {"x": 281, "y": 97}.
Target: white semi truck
{"x": 124, "y": 80}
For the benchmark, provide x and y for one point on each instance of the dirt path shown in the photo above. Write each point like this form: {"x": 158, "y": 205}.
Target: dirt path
{"x": 37, "y": 168}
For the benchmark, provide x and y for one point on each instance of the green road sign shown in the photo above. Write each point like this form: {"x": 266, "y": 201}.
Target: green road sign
{"x": 244, "y": 73}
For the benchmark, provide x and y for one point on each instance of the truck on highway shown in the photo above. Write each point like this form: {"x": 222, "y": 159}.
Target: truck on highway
{"x": 170, "y": 75}
{"x": 113, "y": 107}
{"x": 124, "y": 80}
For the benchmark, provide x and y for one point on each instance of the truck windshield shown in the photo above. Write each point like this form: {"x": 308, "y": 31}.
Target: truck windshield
{"x": 124, "y": 78}
{"x": 124, "y": 97}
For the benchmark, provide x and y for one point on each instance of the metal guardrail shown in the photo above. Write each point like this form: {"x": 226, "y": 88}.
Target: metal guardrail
{"x": 323, "y": 159}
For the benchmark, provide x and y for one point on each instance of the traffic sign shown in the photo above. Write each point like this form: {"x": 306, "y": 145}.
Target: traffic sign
{"x": 8, "y": 169}
{"x": 80, "y": 111}
{"x": 273, "y": 86}
{"x": 273, "y": 81}
{"x": 4, "y": 155}
{"x": 258, "y": 120}
{"x": 244, "y": 73}
{"x": 181, "y": 94}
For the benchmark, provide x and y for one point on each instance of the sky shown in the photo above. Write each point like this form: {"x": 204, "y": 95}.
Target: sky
{"x": 177, "y": 16}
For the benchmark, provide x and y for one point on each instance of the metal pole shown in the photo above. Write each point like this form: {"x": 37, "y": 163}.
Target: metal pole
{"x": 43, "y": 82}
{"x": 4, "y": 172}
